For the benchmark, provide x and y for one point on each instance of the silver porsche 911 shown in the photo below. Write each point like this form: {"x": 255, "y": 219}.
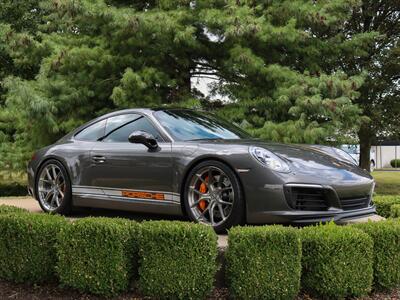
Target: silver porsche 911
{"x": 185, "y": 162}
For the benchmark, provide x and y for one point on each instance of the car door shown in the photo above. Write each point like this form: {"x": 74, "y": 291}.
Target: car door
{"x": 123, "y": 169}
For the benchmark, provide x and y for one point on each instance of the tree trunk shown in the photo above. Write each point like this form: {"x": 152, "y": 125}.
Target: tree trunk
{"x": 365, "y": 135}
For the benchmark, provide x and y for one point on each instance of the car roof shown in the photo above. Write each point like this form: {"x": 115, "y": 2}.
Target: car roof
{"x": 146, "y": 111}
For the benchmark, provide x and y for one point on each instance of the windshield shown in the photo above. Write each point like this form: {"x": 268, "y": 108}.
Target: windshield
{"x": 187, "y": 125}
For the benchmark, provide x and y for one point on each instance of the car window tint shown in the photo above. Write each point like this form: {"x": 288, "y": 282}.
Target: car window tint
{"x": 186, "y": 125}
{"x": 119, "y": 120}
{"x": 93, "y": 132}
{"x": 122, "y": 134}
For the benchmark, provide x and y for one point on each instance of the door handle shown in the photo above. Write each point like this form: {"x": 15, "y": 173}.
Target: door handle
{"x": 99, "y": 159}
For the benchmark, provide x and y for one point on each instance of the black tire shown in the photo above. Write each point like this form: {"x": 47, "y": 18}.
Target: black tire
{"x": 237, "y": 215}
{"x": 66, "y": 204}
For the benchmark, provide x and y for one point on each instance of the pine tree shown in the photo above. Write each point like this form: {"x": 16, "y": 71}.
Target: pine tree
{"x": 279, "y": 62}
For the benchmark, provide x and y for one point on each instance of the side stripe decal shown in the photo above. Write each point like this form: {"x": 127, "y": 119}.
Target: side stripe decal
{"x": 127, "y": 193}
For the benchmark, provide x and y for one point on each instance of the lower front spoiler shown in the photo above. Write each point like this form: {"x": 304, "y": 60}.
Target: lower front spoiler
{"x": 309, "y": 217}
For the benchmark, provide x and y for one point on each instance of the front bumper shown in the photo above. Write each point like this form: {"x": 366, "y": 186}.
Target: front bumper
{"x": 334, "y": 199}
{"x": 309, "y": 217}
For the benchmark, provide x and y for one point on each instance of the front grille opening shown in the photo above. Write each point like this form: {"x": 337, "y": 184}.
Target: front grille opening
{"x": 311, "y": 199}
{"x": 352, "y": 203}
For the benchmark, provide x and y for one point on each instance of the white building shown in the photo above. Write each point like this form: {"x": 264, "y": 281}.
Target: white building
{"x": 384, "y": 152}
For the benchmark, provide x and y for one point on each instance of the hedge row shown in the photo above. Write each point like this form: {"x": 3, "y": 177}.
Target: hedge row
{"x": 27, "y": 246}
{"x": 395, "y": 211}
{"x": 13, "y": 189}
{"x": 386, "y": 262}
{"x": 395, "y": 163}
{"x": 384, "y": 203}
{"x": 337, "y": 261}
{"x": 102, "y": 255}
{"x": 178, "y": 260}
{"x": 264, "y": 262}
{"x": 98, "y": 255}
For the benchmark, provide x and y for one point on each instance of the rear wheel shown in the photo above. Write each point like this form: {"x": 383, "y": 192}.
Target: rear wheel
{"x": 53, "y": 188}
{"x": 213, "y": 196}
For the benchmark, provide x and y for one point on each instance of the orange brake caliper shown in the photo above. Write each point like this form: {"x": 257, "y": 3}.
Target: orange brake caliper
{"x": 203, "y": 190}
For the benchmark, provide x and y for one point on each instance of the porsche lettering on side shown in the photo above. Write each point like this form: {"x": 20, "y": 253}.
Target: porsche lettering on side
{"x": 185, "y": 162}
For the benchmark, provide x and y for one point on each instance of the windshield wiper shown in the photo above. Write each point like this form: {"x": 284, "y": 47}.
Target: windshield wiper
{"x": 206, "y": 139}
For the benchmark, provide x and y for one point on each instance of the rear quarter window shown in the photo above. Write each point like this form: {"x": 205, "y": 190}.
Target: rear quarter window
{"x": 92, "y": 132}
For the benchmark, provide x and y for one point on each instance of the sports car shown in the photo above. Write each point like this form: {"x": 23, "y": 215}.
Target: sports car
{"x": 192, "y": 163}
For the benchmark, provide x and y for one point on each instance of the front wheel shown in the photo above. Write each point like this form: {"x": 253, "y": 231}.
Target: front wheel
{"x": 53, "y": 188}
{"x": 213, "y": 196}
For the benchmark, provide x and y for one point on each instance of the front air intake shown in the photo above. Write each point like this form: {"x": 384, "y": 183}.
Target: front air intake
{"x": 304, "y": 198}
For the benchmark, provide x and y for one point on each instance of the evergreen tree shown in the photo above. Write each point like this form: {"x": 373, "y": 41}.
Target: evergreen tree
{"x": 380, "y": 94}
{"x": 279, "y": 63}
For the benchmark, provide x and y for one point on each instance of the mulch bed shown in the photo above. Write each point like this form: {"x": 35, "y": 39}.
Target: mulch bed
{"x": 15, "y": 291}
{"x": 54, "y": 292}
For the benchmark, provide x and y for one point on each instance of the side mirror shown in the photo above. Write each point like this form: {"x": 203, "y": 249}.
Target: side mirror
{"x": 145, "y": 138}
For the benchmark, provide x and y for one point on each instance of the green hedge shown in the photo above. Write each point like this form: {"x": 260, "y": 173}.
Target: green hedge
{"x": 13, "y": 189}
{"x": 27, "y": 246}
{"x": 264, "y": 262}
{"x": 395, "y": 163}
{"x": 98, "y": 255}
{"x": 6, "y": 209}
{"x": 384, "y": 203}
{"x": 177, "y": 260}
{"x": 395, "y": 211}
{"x": 386, "y": 237}
{"x": 337, "y": 261}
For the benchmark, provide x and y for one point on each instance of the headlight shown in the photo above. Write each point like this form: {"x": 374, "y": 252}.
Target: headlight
{"x": 268, "y": 159}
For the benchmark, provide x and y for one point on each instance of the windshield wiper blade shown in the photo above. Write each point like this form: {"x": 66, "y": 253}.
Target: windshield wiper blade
{"x": 206, "y": 139}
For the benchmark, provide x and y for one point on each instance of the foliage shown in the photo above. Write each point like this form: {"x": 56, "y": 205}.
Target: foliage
{"x": 280, "y": 64}
{"x": 337, "y": 261}
{"x": 386, "y": 237}
{"x": 395, "y": 163}
{"x": 395, "y": 210}
{"x": 7, "y": 209}
{"x": 27, "y": 246}
{"x": 12, "y": 189}
{"x": 98, "y": 255}
{"x": 384, "y": 203}
{"x": 177, "y": 260}
{"x": 264, "y": 262}
{"x": 380, "y": 60}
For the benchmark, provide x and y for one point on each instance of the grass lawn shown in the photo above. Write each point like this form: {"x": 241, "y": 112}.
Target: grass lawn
{"x": 387, "y": 183}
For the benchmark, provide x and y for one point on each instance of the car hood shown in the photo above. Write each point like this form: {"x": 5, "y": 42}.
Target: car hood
{"x": 301, "y": 157}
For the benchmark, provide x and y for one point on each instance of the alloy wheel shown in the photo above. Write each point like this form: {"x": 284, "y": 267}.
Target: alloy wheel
{"x": 211, "y": 196}
{"x": 51, "y": 187}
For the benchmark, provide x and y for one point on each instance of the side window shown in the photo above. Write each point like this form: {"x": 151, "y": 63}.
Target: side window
{"x": 121, "y": 134}
{"x": 93, "y": 132}
{"x": 118, "y": 121}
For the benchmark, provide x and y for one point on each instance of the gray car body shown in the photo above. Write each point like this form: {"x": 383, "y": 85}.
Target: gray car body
{"x": 98, "y": 182}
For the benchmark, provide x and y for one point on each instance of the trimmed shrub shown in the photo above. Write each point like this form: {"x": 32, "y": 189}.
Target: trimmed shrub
{"x": 13, "y": 189}
{"x": 337, "y": 261}
{"x": 6, "y": 209}
{"x": 395, "y": 211}
{"x": 264, "y": 262}
{"x": 98, "y": 255}
{"x": 386, "y": 237}
{"x": 27, "y": 246}
{"x": 177, "y": 260}
{"x": 395, "y": 163}
{"x": 384, "y": 203}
